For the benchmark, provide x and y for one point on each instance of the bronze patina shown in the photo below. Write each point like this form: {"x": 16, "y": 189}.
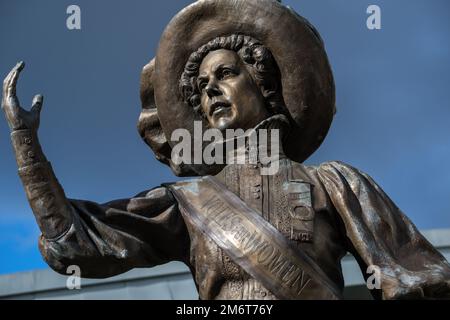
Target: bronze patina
{"x": 234, "y": 64}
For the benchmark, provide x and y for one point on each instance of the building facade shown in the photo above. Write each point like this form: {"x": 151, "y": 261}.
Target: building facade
{"x": 169, "y": 281}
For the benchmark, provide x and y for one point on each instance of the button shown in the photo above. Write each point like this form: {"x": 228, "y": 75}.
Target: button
{"x": 30, "y": 154}
{"x": 256, "y": 195}
{"x": 263, "y": 293}
{"x": 27, "y": 140}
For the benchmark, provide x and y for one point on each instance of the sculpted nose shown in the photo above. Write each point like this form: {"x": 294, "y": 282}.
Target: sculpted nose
{"x": 212, "y": 90}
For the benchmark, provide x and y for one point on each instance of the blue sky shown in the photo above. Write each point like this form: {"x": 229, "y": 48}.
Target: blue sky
{"x": 391, "y": 87}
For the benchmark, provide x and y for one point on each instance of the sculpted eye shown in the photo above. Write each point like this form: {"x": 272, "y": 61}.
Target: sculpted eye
{"x": 227, "y": 73}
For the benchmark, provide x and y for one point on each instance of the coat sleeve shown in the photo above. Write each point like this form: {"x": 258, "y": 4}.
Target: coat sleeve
{"x": 112, "y": 238}
{"x": 381, "y": 236}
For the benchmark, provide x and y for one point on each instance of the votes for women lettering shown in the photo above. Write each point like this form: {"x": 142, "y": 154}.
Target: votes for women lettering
{"x": 254, "y": 245}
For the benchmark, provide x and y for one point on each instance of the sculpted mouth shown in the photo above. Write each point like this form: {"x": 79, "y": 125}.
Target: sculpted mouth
{"x": 218, "y": 107}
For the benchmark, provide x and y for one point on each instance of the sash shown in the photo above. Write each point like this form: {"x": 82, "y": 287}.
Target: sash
{"x": 250, "y": 241}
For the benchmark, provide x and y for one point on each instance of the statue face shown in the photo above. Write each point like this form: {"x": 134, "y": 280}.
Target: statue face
{"x": 230, "y": 97}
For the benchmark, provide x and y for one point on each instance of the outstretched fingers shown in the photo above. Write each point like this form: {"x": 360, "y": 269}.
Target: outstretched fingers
{"x": 9, "y": 86}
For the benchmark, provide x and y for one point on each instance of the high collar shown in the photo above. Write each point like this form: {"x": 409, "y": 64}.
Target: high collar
{"x": 262, "y": 144}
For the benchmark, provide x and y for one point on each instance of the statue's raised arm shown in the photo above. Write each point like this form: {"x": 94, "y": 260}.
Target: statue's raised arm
{"x": 102, "y": 239}
{"x": 46, "y": 197}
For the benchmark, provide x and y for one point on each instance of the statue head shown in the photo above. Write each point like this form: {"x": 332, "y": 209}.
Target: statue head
{"x": 233, "y": 82}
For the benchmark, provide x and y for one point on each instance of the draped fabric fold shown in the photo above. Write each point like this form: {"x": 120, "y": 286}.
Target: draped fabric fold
{"x": 383, "y": 237}
{"x": 111, "y": 238}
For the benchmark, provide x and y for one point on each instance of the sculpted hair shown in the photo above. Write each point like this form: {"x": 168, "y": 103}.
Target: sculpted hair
{"x": 257, "y": 58}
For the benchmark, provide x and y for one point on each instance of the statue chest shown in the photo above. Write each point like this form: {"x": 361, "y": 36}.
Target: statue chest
{"x": 285, "y": 199}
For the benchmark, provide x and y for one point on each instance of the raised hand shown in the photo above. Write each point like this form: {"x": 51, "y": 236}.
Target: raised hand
{"x": 17, "y": 117}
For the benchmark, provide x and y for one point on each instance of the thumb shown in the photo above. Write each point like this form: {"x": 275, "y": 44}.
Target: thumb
{"x": 36, "y": 105}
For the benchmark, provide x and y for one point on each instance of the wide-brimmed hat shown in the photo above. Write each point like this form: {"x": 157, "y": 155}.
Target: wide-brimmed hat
{"x": 306, "y": 77}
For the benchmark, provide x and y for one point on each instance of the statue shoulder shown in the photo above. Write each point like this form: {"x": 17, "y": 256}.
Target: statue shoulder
{"x": 343, "y": 175}
{"x": 339, "y": 167}
{"x": 329, "y": 171}
{"x": 333, "y": 166}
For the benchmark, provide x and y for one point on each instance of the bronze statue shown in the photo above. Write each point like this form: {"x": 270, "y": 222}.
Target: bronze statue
{"x": 241, "y": 64}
